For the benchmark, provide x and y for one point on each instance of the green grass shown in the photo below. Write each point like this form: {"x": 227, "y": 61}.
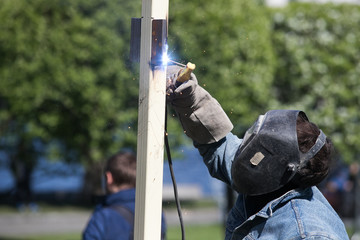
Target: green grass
{"x": 196, "y": 204}
{"x": 196, "y": 232}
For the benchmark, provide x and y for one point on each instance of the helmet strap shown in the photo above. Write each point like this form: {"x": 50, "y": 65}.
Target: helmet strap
{"x": 305, "y": 157}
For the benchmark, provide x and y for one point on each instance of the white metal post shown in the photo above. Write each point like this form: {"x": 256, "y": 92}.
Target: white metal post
{"x": 151, "y": 120}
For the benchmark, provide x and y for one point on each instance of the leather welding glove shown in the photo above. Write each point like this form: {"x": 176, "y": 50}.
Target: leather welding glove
{"x": 172, "y": 72}
{"x": 200, "y": 115}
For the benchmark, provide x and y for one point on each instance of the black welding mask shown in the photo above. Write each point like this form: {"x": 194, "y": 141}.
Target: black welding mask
{"x": 269, "y": 155}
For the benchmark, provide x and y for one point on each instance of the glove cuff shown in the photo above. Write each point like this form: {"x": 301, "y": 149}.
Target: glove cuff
{"x": 201, "y": 116}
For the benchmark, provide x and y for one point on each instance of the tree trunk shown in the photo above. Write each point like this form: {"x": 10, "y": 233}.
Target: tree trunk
{"x": 22, "y": 165}
{"x": 94, "y": 183}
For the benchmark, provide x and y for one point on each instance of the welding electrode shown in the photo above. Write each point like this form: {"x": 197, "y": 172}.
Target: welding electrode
{"x": 184, "y": 74}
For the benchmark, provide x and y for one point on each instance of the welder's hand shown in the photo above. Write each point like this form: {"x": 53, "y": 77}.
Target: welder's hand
{"x": 172, "y": 91}
{"x": 200, "y": 115}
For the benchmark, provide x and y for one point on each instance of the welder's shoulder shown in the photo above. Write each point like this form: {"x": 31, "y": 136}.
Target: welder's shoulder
{"x": 309, "y": 219}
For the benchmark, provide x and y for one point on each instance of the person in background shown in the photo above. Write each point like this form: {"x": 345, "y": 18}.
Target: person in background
{"x": 275, "y": 167}
{"x": 113, "y": 219}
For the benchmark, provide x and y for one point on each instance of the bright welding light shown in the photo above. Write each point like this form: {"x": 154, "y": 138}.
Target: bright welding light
{"x": 165, "y": 59}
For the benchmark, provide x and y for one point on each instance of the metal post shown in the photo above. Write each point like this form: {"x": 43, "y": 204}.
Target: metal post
{"x": 151, "y": 120}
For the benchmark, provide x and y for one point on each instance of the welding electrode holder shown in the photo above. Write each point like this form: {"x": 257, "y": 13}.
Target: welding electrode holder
{"x": 158, "y": 44}
{"x": 185, "y": 73}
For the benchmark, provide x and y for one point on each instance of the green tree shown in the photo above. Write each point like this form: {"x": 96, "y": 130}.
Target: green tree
{"x": 230, "y": 43}
{"x": 65, "y": 79}
{"x": 317, "y": 47}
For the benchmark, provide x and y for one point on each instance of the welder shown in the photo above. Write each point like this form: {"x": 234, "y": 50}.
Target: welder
{"x": 274, "y": 167}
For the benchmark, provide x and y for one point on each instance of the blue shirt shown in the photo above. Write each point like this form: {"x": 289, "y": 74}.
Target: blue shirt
{"x": 107, "y": 223}
{"x": 298, "y": 214}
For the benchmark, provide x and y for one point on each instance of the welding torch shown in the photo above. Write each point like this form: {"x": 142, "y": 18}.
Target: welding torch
{"x": 184, "y": 74}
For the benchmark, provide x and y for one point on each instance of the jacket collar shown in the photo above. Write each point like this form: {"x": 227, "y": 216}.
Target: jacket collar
{"x": 269, "y": 208}
{"x": 122, "y": 196}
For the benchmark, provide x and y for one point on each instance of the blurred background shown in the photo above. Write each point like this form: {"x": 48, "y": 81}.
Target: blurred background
{"x": 69, "y": 100}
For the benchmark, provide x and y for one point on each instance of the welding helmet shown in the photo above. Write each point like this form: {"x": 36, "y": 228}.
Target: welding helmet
{"x": 269, "y": 155}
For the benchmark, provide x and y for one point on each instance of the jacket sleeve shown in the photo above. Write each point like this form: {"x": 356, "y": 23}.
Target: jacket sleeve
{"x": 94, "y": 229}
{"x": 218, "y": 157}
{"x": 200, "y": 115}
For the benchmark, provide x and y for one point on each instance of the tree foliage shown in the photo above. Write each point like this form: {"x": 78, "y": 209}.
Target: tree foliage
{"x": 65, "y": 76}
{"x": 319, "y": 67}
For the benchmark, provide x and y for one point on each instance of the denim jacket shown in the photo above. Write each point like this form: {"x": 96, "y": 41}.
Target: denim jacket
{"x": 298, "y": 214}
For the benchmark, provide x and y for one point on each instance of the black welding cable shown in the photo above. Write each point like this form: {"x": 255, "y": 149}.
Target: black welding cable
{"x": 173, "y": 179}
